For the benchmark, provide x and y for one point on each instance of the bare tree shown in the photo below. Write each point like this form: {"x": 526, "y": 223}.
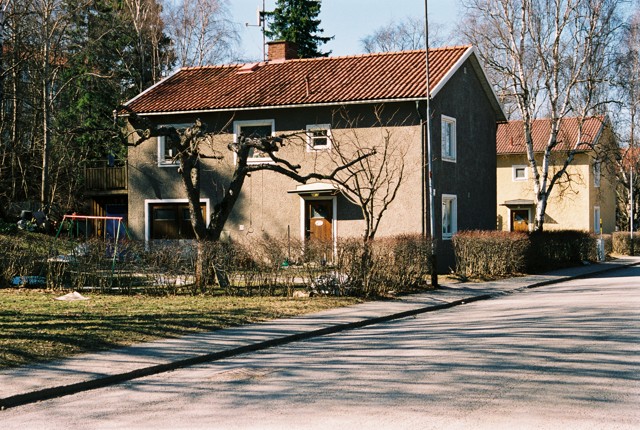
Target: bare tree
{"x": 407, "y": 34}
{"x": 373, "y": 182}
{"x": 551, "y": 58}
{"x": 201, "y": 31}
{"x": 151, "y": 54}
{"x": 195, "y": 143}
{"x": 626, "y": 77}
{"x": 52, "y": 19}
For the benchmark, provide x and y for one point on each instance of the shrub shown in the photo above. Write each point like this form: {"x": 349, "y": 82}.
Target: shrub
{"x": 256, "y": 265}
{"x": 489, "y": 254}
{"x": 400, "y": 264}
{"x": 622, "y": 243}
{"x": 608, "y": 244}
{"x": 555, "y": 249}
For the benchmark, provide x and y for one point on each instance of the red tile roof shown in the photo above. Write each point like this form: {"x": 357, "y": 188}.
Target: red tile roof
{"x": 629, "y": 157}
{"x": 510, "y": 136}
{"x": 371, "y": 77}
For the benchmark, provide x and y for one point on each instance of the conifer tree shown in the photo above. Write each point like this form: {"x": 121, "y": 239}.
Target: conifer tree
{"x": 296, "y": 21}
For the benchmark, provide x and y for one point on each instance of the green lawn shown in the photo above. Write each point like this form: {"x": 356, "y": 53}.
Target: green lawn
{"x": 34, "y": 327}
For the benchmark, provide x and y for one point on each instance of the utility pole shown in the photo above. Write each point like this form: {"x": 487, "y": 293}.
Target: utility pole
{"x": 631, "y": 167}
{"x": 430, "y": 178}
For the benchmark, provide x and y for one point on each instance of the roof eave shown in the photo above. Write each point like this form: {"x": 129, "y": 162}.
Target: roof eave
{"x": 151, "y": 88}
{"x": 288, "y": 106}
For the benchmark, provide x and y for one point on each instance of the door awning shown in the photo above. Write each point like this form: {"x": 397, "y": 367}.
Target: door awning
{"x": 518, "y": 202}
{"x": 316, "y": 189}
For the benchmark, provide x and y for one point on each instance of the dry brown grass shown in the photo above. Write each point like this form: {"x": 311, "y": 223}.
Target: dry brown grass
{"x": 34, "y": 327}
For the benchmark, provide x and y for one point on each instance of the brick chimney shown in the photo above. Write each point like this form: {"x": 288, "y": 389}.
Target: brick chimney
{"x": 280, "y": 50}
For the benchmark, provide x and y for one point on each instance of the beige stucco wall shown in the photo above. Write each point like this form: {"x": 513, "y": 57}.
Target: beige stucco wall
{"x": 571, "y": 204}
{"x": 265, "y": 206}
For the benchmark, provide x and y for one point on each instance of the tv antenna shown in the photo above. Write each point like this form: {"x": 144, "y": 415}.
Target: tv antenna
{"x": 261, "y": 22}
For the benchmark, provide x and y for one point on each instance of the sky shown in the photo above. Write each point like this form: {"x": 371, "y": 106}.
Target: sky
{"x": 348, "y": 20}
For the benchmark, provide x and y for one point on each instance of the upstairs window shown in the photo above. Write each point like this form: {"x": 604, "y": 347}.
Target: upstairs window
{"x": 597, "y": 173}
{"x": 519, "y": 173}
{"x": 255, "y": 130}
{"x": 318, "y": 137}
{"x": 448, "y": 135}
{"x": 166, "y": 152}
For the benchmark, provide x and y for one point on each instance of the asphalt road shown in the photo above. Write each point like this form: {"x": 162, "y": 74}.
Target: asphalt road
{"x": 564, "y": 356}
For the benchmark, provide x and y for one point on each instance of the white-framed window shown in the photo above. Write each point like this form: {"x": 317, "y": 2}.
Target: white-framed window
{"x": 255, "y": 129}
{"x": 448, "y": 135}
{"x": 318, "y": 137}
{"x": 519, "y": 173}
{"x": 597, "y": 173}
{"x": 449, "y": 215}
{"x": 596, "y": 219}
{"x": 170, "y": 218}
{"x": 167, "y": 153}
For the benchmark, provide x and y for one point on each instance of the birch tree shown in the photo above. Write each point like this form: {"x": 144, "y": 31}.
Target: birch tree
{"x": 626, "y": 77}
{"x": 549, "y": 59}
{"x": 201, "y": 31}
{"x": 151, "y": 56}
{"x": 407, "y": 34}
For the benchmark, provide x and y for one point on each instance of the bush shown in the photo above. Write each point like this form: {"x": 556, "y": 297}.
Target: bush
{"x": 608, "y": 244}
{"x": 622, "y": 243}
{"x": 375, "y": 268}
{"x": 252, "y": 266}
{"x": 555, "y": 249}
{"x": 490, "y": 254}
{"x": 19, "y": 258}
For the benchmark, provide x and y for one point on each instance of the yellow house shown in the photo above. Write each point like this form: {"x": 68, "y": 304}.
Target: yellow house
{"x": 583, "y": 199}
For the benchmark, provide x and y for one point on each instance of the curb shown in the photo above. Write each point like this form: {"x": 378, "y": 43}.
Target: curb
{"x": 580, "y": 276}
{"x": 101, "y": 382}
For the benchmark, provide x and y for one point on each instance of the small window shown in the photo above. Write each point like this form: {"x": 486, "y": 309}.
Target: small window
{"x": 597, "y": 221}
{"x": 166, "y": 152}
{"x": 448, "y": 138}
{"x": 255, "y": 129}
{"x": 318, "y": 137}
{"x": 449, "y": 215}
{"x": 597, "y": 173}
{"x": 519, "y": 173}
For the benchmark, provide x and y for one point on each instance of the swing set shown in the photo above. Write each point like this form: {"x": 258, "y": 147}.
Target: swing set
{"x": 108, "y": 227}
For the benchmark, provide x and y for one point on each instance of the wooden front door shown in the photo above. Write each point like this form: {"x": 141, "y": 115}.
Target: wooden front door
{"x": 319, "y": 220}
{"x": 520, "y": 220}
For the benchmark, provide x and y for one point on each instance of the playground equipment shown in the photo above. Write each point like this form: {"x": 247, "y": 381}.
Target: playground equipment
{"x": 112, "y": 228}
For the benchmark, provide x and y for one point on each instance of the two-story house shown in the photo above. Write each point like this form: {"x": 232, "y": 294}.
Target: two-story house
{"x": 326, "y": 102}
{"x": 584, "y": 199}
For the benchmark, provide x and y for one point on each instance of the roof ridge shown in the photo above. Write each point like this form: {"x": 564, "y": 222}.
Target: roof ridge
{"x": 363, "y": 55}
{"x": 216, "y": 66}
{"x": 601, "y": 117}
{"x": 381, "y": 54}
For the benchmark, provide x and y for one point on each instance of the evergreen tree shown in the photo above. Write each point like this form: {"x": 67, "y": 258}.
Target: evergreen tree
{"x": 296, "y": 21}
